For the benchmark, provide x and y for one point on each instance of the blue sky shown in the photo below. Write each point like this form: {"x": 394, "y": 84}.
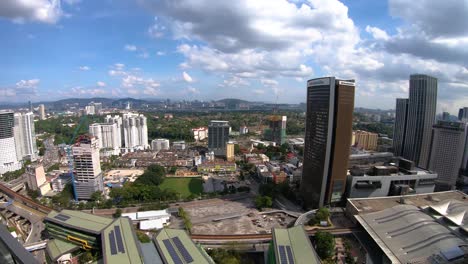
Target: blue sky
{"x": 255, "y": 50}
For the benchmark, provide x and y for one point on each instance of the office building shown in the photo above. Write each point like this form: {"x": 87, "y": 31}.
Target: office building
{"x": 71, "y": 230}
{"x": 446, "y": 116}
{"x": 381, "y": 181}
{"x": 11, "y": 251}
{"x": 88, "y": 175}
{"x": 135, "y": 131}
{"x": 93, "y": 108}
{"x": 160, "y": 144}
{"x": 276, "y": 131}
{"x": 365, "y": 140}
{"x": 421, "y": 117}
{"x": 230, "y": 153}
{"x": 42, "y": 114}
{"x": 330, "y": 106}
{"x": 463, "y": 114}
{"x": 410, "y": 233}
{"x": 446, "y": 156}
{"x": 175, "y": 246}
{"x": 399, "y": 128}
{"x": 218, "y": 136}
{"x": 36, "y": 179}
{"x": 291, "y": 245}
{"x": 108, "y": 136}
{"x": 8, "y": 158}
{"x": 25, "y": 137}
{"x": 243, "y": 130}
{"x": 200, "y": 133}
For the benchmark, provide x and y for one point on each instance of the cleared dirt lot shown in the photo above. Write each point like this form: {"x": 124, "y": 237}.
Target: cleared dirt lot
{"x": 233, "y": 217}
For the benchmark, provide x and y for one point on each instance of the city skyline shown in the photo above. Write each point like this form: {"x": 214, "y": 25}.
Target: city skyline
{"x": 154, "y": 49}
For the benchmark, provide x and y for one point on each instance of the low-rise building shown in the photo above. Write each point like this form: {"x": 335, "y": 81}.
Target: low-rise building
{"x": 370, "y": 158}
{"x": 200, "y": 133}
{"x": 179, "y": 145}
{"x": 175, "y": 246}
{"x": 243, "y": 130}
{"x": 291, "y": 245}
{"x": 148, "y": 220}
{"x": 114, "y": 238}
{"x": 160, "y": 144}
{"x": 379, "y": 181}
{"x": 217, "y": 167}
{"x": 230, "y": 151}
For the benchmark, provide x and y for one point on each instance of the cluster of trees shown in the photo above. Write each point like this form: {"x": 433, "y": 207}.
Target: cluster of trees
{"x": 64, "y": 133}
{"x": 186, "y": 218}
{"x": 142, "y": 237}
{"x": 263, "y": 202}
{"x": 225, "y": 256}
{"x": 325, "y": 244}
{"x": 145, "y": 188}
{"x": 11, "y": 175}
{"x": 322, "y": 214}
{"x": 274, "y": 152}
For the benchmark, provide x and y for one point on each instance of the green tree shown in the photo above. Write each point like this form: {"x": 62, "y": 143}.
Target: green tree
{"x": 263, "y": 202}
{"x": 220, "y": 255}
{"x": 325, "y": 243}
{"x": 322, "y": 214}
{"x": 142, "y": 237}
{"x": 96, "y": 196}
{"x": 86, "y": 257}
{"x": 153, "y": 175}
{"x": 118, "y": 213}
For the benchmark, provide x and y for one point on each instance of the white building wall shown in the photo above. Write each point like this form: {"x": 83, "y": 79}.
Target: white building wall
{"x": 135, "y": 131}
{"x": 8, "y": 159}
{"x": 25, "y": 136}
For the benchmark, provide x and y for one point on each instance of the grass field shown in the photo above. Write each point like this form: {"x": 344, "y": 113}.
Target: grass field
{"x": 184, "y": 186}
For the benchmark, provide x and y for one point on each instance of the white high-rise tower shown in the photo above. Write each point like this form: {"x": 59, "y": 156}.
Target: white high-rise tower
{"x": 25, "y": 136}
{"x": 135, "y": 131}
{"x": 88, "y": 175}
{"x": 8, "y": 157}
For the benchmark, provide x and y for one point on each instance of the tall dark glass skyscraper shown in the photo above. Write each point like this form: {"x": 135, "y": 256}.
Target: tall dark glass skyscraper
{"x": 218, "y": 136}
{"x": 329, "y": 120}
{"x": 399, "y": 129}
{"x": 421, "y": 118}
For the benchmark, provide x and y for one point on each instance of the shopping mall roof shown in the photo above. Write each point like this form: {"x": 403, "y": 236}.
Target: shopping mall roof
{"x": 78, "y": 220}
{"x": 176, "y": 247}
{"x": 408, "y": 234}
{"x": 292, "y": 245}
{"x": 119, "y": 243}
{"x": 374, "y": 204}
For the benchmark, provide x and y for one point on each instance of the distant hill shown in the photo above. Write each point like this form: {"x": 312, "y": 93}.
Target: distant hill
{"x": 82, "y": 101}
{"x": 232, "y": 101}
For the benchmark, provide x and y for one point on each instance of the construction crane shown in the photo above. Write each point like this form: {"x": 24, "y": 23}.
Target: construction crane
{"x": 68, "y": 151}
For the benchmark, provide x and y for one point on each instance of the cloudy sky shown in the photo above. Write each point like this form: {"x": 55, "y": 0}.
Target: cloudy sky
{"x": 250, "y": 49}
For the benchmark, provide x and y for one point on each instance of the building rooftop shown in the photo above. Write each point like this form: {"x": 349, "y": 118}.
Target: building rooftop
{"x": 292, "y": 245}
{"x": 119, "y": 243}
{"x": 176, "y": 247}
{"x": 368, "y": 205}
{"x": 408, "y": 234}
{"x": 80, "y": 221}
{"x": 56, "y": 248}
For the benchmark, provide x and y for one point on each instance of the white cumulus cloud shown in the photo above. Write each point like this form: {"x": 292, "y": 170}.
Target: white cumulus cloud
{"x": 187, "y": 77}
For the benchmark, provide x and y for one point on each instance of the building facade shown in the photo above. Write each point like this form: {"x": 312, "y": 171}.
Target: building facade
{"x": 135, "y": 131}
{"x": 446, "y": 156}
{"x": 421, "y": 117}
{"x": 25, "y": 136}
{"x": 463, "y": 114}
{"x": 8, "y": 158}
{"x": 276, "y": 131}
{"x": 365, "y": 140}
{"x": 399, "y": 128}
{"x": 330, "y": 105}
{"x": 108, "y": 136}
{"x": 218, "y": 136}
{"x": 160, "y": 144}
{"x": 88, "y": 174}
{"x": 230, "y": 151}
{"x": 200, "y": 133}
{"x": 42, "y": 114}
